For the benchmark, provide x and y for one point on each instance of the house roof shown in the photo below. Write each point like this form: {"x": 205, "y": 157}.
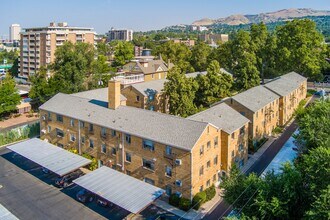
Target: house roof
{"x": 286, "y": 83}
{"x": 152, "y": 67}
{"x": 222, "y": 116}
{"x": 255, "y": 98}
{"x": 157, "y": 85}
{"x": 97, "y": 94}
{"x": 167, "y": 129}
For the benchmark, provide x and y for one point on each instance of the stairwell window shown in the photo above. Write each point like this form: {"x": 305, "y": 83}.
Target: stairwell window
{"x": 113, "y": 151}
{"x": 113, "y": 133}
{"x": 91, "y": 143}
{"x": 208, "y": 164}
{"x": 168, "y": 171}
{"x": 201, "y": 170}
{"x": 242, "y": 130}
{"x": 128, "y": 157}
{"x": 216, "y": 142}
{"x": 215, "y": 160}
{"x": 103, "y": 132}
{"x": 72, "y": 122}
{"x": 201, "y": 150}
{"x": 49, "y": 116}
{"x": 91, "y": 128}
{"x": 82, "y": 124}
{"x": 149, "y": 145}
{"x": 128, "y": 138}
{"x": 103, "y": 148}
{"x": 208, "y": 144}
{"x": 82, "y": 140}
{"x": 168, "y": 150}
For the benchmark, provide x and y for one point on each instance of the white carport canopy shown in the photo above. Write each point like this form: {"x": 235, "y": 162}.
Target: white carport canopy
{"x": 53, "y": 158}
{"x": 123, "y": 190}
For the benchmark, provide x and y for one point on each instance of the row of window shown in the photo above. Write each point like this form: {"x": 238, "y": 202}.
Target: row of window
{"x": 208, "y": 165}
{"x": 208, "y": 145}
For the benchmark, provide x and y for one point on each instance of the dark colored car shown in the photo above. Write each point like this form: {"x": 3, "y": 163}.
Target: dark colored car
{"x": 85, "y": 196}
{"x": 166, "y": 216}
{"x": 102, "y": 202}
{"x": 66, "y": 180}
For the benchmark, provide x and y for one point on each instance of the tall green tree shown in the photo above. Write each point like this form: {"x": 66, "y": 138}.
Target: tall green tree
{"x": 213, "y": 86}
{"x": 300, "y": 48}
{"x": 73, "y": 62}
{"x": 181, "y": 93}
{"x": 9, "y": 97}
{"x": 43, "y": 88}
{"x": 124, "y": 52}
{"x": 177, "y": 53}
{"x": 200, "y": 56}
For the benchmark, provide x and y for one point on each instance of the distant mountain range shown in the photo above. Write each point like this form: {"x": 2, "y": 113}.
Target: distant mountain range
{"x": 269, "y": 17}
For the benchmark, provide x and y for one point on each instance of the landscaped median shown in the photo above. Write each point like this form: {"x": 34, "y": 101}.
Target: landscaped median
{"x": 198, "y": 200}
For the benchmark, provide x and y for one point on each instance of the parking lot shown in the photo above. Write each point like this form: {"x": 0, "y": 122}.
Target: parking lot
{"x": 29, "y": 193}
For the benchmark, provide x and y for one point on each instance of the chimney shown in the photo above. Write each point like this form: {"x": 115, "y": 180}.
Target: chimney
{"x": 113, "y": 94}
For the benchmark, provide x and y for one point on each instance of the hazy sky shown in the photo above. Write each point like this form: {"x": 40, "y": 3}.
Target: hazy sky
{"x": 135, "y": 14}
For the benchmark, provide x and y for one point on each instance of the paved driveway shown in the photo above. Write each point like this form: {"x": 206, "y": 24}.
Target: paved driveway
{"x": 29, "y": 194}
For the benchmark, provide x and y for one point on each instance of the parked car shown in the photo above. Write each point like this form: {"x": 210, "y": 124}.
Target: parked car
{"x": 85, "y": 196}
{"x": 166, "y": 216}
{"x": 102, "y": 202}
{"x": 66, "y": 180}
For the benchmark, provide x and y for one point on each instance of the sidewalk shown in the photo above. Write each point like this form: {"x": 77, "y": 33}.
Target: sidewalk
{"x": 191, "y": 214}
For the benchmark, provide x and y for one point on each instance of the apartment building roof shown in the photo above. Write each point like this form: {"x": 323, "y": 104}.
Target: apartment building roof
{"x": 153, "y": 66}
{"x": 222, "y": 116}
{"x": 255, "y": 98}
{"x": 97, "y": 94}
{"x": 166, "y": 129}
{"x": 285, "y": 84}
{"x": 157, "y": 85}
{"x": 195, "y": 74}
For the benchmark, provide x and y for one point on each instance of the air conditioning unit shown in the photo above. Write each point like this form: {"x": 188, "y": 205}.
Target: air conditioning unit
{"x": 178, "y": 162}
{"x": 178, "y": 183}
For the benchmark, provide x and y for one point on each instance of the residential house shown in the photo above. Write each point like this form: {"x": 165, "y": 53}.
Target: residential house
{"x": 261, "y": 107}
{"x": 234, "y": 134}
{"x": 170, "y": 152}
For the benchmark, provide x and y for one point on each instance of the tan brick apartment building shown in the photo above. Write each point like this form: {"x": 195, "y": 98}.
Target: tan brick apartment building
{"x": 261, "y": 107}
{"x": 38, "y": 45}
{"x": 176, "y": 154}
{"x": 291, "y": 88}
{"x": 234, "y": 134}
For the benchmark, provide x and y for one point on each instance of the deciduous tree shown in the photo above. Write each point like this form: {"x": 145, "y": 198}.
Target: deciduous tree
{"x": 9, "y": 97}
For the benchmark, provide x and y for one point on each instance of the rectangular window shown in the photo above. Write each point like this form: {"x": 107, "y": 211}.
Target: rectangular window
{"x": 49, "y": 128}
{"x": 208, "y": 164}
{"x": 128, "y": 157}
{"x": 168, "y": 171}
{"x": 208, "y": 145}
{"x": 103, "y": 148}
{"x": 216, "y": 142}
{"x": 59, "y": 133}
{"x": 81, "y": 124}
{"x": 201, "y": 188}
{"x": 168, "y": 150}
{"x": 82, "y": 140}
{"x": 214, "y": 177}
{"x": 91, "y": 128}
{"x": 149, "y": 145}
{"x": 59, "y": 118}
{"x": 72, "y": 122}
{"x": 233, "y": 135}
{"x": 103, "y": 132}
{"x": 91, "y": 143}
{"x": 113, "y": 133}
{"x": 242, "y": 130}
{"x": 201, "y": 150}
{"x": 128, "y": 138}
{"x": 49, "y": 116}
{"x": 150, "y": 181}
{"x": 137, "y": 98}
{"x": 149, "y": 164}
{"x": 168, "y": 190}
{"x": 113, "y": 151}
{"x": 241, "y": 147}
{"x": 72, "y": 137}
{"x": 201, "y": 170}
{"x": 215, "y": 160}
{"x": 208, "y": 183}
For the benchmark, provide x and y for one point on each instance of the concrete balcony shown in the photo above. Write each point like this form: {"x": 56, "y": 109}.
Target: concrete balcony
{"x": 129, "y": 79}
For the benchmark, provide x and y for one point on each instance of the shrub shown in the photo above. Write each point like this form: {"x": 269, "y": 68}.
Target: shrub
{"x": 278, "y": 130}
{"x": 184, "y": 204}
{"x": 210, "y": 193}
{"x": 198, "y": 200}
{"x": 174, "y": 200}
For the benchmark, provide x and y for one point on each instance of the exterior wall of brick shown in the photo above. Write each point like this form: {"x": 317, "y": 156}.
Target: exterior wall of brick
{"x": 206, "y": 161}
{"x": 132, "y": 100}
{"x": 155, "y": 76}
{"x": 234, "y": 148}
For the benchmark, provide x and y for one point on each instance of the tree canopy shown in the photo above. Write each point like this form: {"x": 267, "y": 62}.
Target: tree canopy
{"x": 9, "y": 97}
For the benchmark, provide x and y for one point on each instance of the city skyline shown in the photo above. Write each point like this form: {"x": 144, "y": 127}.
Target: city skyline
{"x": 104, "y": 14}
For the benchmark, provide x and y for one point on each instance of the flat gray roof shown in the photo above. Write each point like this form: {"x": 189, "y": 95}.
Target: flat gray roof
{"x": 162, "y": 128}
{"x": 255, "y": 98}
{"x": 157, "y": 85}
{"x": 123, "y": 190}
{"x": 97, "y": 94}
{"x": 222, "y": 116}
{"x": 53, "y": 158}
{"x": 285, "y": 83}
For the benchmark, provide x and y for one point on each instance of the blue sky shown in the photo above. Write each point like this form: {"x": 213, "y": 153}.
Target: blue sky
{"x": 135, "y": 14}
